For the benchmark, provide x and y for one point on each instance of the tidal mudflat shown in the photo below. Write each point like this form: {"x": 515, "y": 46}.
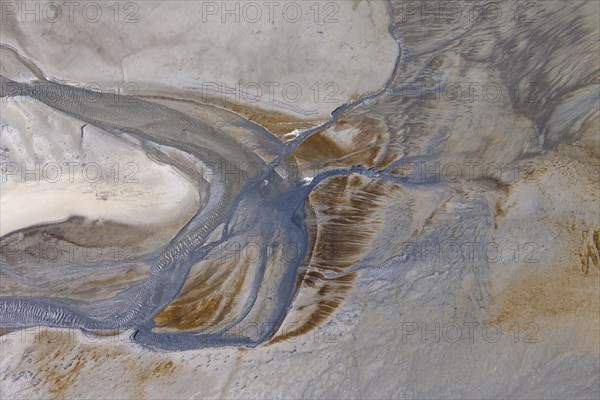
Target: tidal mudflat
{"x": 358, "y": 199}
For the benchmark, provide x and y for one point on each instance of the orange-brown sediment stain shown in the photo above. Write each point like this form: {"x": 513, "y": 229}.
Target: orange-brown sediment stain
{"x": 564, "y": 292}
{"x": 367, "y": 145}
{"x": 208, "y": 298}
{"x": 347, "y": 215}
{"x": 61, "y": 363}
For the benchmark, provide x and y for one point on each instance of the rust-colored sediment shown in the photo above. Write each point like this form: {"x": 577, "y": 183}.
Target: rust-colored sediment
{"x": 347, "y": 212}
{"x": 208, "y": 298}
{"x": 565, "y": 292}
{"x": 59, "y": 362}
{"x": 105, "y": 333}
{"x": 276, "y": 122}
{"x": 367, "y": 146}
{"x": 318, "y": 147}
{"x": 589, "y": 254}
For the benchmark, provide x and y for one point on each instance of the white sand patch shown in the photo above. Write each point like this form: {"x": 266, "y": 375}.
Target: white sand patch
{"x": 51, "y": 172}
